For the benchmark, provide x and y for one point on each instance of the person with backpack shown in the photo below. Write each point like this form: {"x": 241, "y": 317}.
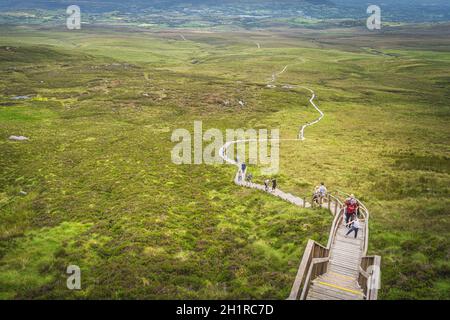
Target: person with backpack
{"x": 316, "y": 196}
{"x": 274, "y": 184}
{"x": 322, "y": 191}
{"x": 242, "y": 171}
{"x": 354, "y": 226}
{"x": 350, "y": 209}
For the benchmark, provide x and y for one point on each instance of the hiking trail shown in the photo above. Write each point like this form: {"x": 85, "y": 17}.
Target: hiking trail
{"x": 341, "y": 270}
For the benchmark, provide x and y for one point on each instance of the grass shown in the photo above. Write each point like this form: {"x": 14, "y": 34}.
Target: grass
{"x": 103, "y": 193}
{"x": 26, "y": 267}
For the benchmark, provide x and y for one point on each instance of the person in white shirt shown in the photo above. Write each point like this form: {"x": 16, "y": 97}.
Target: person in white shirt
{"x": 355, "y": 227}
{"x": 323, "y": 190}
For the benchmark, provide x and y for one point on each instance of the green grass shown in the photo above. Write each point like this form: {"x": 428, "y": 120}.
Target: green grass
{"x": 26, "y": 267}
{"x": 103, "y": 193}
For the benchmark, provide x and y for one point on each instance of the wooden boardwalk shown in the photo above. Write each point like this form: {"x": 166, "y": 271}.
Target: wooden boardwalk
{"x": 340, "y": 282}
{"x": 276, "y": 193}
{"x": 341, "y": 266}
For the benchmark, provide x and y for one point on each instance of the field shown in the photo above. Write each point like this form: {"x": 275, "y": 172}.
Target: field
{"x": 95, "y": 185}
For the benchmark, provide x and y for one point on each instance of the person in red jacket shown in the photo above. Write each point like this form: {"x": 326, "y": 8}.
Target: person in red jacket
{"x": 351, "y": 208}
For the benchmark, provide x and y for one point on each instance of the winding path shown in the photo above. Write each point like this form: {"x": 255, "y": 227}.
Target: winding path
{"x": 334, "y": 272}
{"x": 241, "y": 180}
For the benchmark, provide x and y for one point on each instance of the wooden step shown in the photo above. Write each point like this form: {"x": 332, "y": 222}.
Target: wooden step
{"x": 320, "y": 295}
{"x": 346, "y": 282}
{"x": 346, "y": 246}
{"x": 353, "y": 267}
{"x": 332, "y": 289}
{"x": 350, "y": 287}
{"x": 334, "y": 292}
{"x": 351, "y": 252}
{"x": 343, "y": 270}
{"x": 348, "y": 240}
{"x": 339, "y": 254}
{"x": 343, "y": 235}
{"x": 345, "y": 259}
{"x": 345, "y": 256}
{"x": 312, "y": 295}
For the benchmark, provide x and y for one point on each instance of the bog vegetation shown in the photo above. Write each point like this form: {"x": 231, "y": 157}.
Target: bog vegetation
{"x": 94, "y": 185}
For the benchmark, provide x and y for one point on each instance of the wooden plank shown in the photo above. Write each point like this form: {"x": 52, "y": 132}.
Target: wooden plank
{"x": 336, "y": 294}
{"x": 356, "y": 254}
{"x": 334, "y": 274}
{"x": 350, "y": 255}
{"x": 350, "y": 240}
{"x": 342, "y": 259}
{"x": 331, "y": 289}
{"x": 346, "y": 251}
{"x": 351, "y": 284}
{"x": 322, "y": 296}
{"x": 337, "y": 288}
{"x": 337, "y": 254}
{"x": 347, "y": 241}
{"x": 347, "y": 248}
{"x": 341, "y": 264}
{"x": 344, "y": 271}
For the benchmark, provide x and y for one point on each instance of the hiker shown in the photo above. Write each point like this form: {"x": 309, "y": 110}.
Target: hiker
{"x": 274, "y": 184}
{"x": 266, "y": 184}
{"x": 351, "y": 207}
{"x": 242, "y": 171}
{"x": 249, "y": 178}
{"x": 322, "y": 190}
{"x": 354, "y": 223}
{"x": 316, "y": 195}
{"x": 243, "y": 167}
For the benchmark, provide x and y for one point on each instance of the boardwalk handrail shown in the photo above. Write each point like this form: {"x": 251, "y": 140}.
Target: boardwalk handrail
{"x": 334, "y": 227}
{"x": 369, "y": 276}
{"x": 313, "y": 251}
{"x": 365, "y": 213}
{"x": 318, "y": 267}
